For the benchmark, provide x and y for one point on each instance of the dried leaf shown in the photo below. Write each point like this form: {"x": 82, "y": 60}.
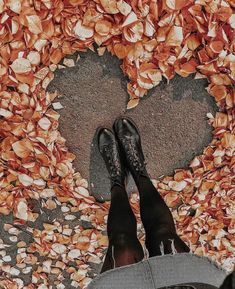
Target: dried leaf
{"x": 83, "y": 32}
{"x": 21, "y": 210}
{"x": 57, "y": 105}
{"x": 175, "y": 36}
{"x": 177, "y": 186}
{"x": 216, "y": 46}
{"x": 6, "y": 113}
{"x": 21, "y": 65}
{"x": 110, "y": 6}
{"x": 14, "y": 5}
{"x": 132, "y": 103}
{"x": 25, "y": 180}
{"x": 134, "y": 32}
{"x": 103, "y": 27}
{"x": 123, "y": 7}
{"x": 34, "y": 24}
{"x": 44, "y": 123}
{"x": 74, "y": 254}
{"x": 58, "y": 248}
{"x": 131, "y": 18}
{"x": 193, "y": 42}
{"x": 22, "y": 148}
{"x": 69, "y": 62}
{"x": 218, "y": 91}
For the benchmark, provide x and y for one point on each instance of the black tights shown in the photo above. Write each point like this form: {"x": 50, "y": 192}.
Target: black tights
{"x": 124, "y": 246}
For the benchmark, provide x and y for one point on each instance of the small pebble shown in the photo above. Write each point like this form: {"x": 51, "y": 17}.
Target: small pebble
{"x": 3, "y": 253}
{"x": 6, "y": 258}
{"x": 14, "y": 271}
{"x": 65, "y": 209}
{"x": 26, "y": 270}
{"x": 75, "y": 284}
{"x": 13, "y": 231}
{"x": 70, "y": 217}
{"x": 13, "y": 239}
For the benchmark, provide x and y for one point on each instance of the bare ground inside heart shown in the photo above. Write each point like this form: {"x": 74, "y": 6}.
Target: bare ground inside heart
{"x": 172, "y": 118}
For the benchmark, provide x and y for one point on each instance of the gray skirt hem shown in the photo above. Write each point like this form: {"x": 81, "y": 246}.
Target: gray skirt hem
{"x": 159, "y": 271}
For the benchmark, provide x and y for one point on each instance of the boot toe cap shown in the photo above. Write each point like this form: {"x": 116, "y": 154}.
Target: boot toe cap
{"x": 105, "y": 136}
{"x": 125, "y": 126}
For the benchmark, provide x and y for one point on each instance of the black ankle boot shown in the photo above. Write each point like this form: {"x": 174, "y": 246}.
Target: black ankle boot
{"x": 109, "y": 150}
{"x": 130, "y": 144}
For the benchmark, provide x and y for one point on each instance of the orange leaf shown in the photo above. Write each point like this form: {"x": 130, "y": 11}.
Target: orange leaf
{"x": 132, "y": 103}
{"x": 103, "y": 27}
{"x": 193, "y": 42}
{"x": 34, "y": 24}
{"x": 120, "y": 50}
{"x": 110, "y": 6}
{"x": 134, "y": 32}
{"x": 175, "y": 36}
{"x": 218, "y": 91}
{"x": 216, "y": 46}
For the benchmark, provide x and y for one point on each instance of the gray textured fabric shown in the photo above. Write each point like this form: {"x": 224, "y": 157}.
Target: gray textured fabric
{"x": 159, "y": 271}
{"x": 190, "y": 286}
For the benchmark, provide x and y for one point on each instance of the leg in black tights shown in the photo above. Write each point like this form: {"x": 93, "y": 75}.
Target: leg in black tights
{"x": 157, "y": 220}
{"x": 124, "y": 246}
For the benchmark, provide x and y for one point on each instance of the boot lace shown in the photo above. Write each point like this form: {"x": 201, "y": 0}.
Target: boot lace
{"x": 132, "y": 154}
{"x": 112, "y": 161}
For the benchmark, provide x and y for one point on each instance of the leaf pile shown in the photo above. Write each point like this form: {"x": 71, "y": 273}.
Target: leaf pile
{"x": 155, "y": 39}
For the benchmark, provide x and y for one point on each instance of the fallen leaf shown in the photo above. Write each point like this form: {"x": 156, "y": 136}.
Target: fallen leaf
{"x": 22, "y": 148}
{"x": 110, "y": 6}
{"x": 57, "y": 105}
{"x": 21, "y": 65}
{"x": 132, "y": 103}
{"x": 22, "y": 210}
{"x": 177, "y": 186}
{"x": 175, "y": 36}
{"x": 34, "y": 24}
{"x": 25, "y": 180}
{"x": 14, "y": 5}
{"x": 83, "y": 32}
{"x": 131, "y": 18}
{"x": 44, "y": 123}
{"x": 58, "y": 248}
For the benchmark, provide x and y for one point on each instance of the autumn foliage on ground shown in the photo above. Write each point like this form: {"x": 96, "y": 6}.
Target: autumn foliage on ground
{"x": 155, "y": 40}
